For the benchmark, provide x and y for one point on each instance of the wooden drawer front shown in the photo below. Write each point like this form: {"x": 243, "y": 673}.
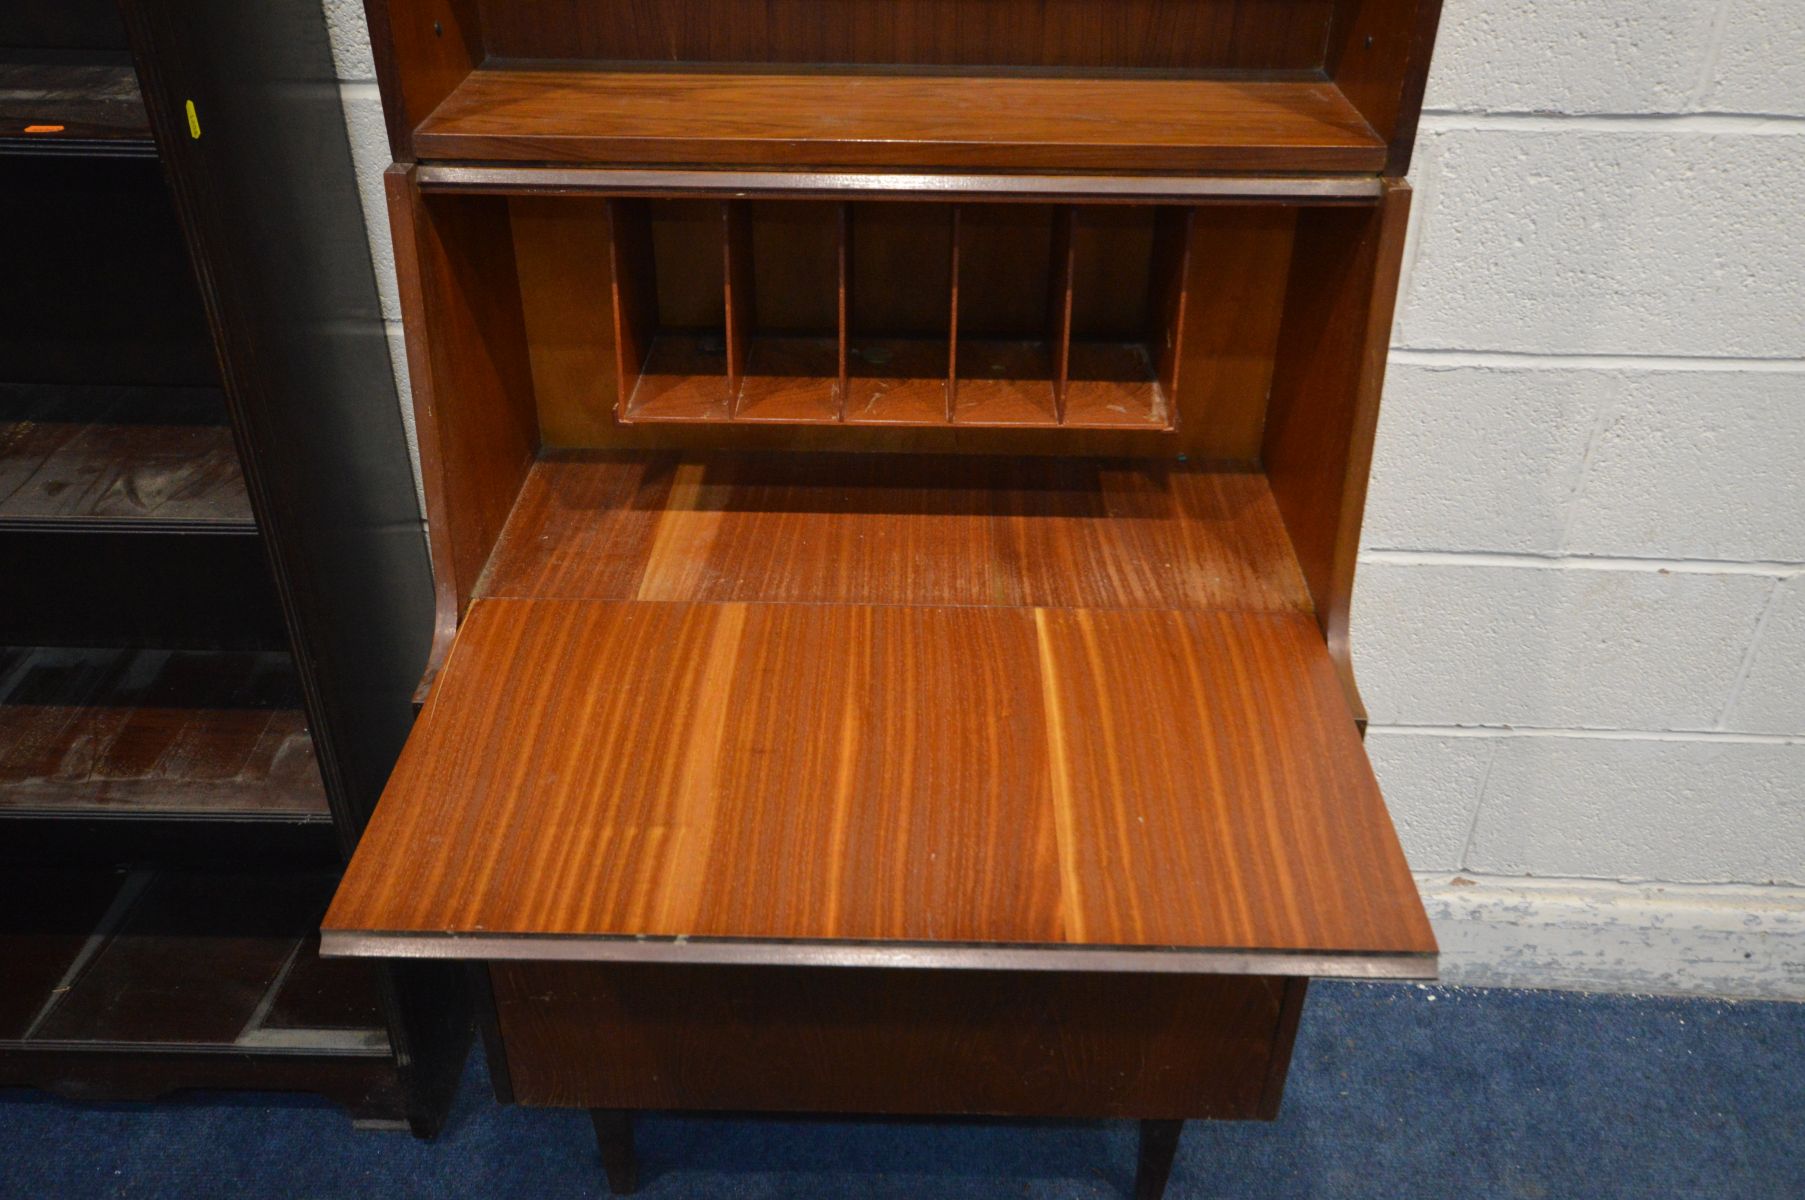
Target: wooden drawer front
{"x": 780, "y": 1039}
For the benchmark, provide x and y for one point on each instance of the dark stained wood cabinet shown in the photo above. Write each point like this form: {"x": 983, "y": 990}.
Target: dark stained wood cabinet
{"x": 190, "y": 740}
{"x": 894, "y": 470}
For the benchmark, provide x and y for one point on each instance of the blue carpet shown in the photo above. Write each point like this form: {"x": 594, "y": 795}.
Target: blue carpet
{"x": 1395, "y": 1092}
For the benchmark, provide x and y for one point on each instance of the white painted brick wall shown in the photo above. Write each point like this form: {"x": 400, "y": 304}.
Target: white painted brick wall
{"x": 1772, "y": 699}
{"x": 370, "y": 152}
{"x": 1496, "y": 470}
{"x": 1562, "y": 56}
{"x": 362, "y": 102}
{"x": 1537, "y": 237}
{"x": 1760, "y": 66}
{"x": 1432, "y": 783}
{"x": 1699, "y": 465}
{"x": 1702, "y": 811}
{"x": 350, "y": 37}
{"x": 1487, "y": 643}
{"x": 1620, "y": 461}
{"x": 1580, "y": 620}
{"x": 1553, "y": 804}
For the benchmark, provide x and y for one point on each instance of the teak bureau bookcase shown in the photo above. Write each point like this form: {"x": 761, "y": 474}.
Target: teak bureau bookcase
{"x": 894, "y": 470}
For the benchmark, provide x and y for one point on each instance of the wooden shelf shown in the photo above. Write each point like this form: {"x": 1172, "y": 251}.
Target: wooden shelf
{"x": 1185, "y": 784}
{"x": 896, "y": 381}
{"x": 792, "y": 380}
{"x": 1055, "y": 703}
{"x": 683, "y": 378}
{"x": 1113, "y": 385}
{"x": 178, "y": 961}
{"x": 119, "y": 458}
{"x": 928, "y": 315}
{"x": 154, "y": 735}
{"x": 1005, "y": 383}
{"x": 533, "y": 113}
{"x": 51, "y": 105}
{"x": 888, "y": 529}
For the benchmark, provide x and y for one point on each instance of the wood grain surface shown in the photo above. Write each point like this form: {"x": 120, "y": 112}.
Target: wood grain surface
{"x": 1131, "y": 322}
{"x": 807, "y": 700}
{"x": 1378, "y": 54}
{"x": 1238, "y": 284}
{"x": 48, "y": 102}
{"x": 1324, "y": 408}
{"x": 855, "y": 773}
{"x": 422, "y": 49}
{"x": 470, "y": 376}
{"x": 791, "y": 379}
{"x": 154, "y": 732}
{"x": 782, "y": 348}
{"x": 1172, "y": 34}
{"x": 93, "y": 474}
{"x": 895, "y": 529}
{"x": 1037, "y": 1043}
{"x": 1123, "y": 124}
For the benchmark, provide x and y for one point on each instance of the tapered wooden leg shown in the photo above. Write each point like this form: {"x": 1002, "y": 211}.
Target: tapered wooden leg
{"x": 1159, "y": 1145}
{"x": 614, "y": 1134}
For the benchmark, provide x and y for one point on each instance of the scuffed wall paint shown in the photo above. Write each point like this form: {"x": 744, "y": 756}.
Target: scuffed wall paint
{"x": 1745, "y": 942}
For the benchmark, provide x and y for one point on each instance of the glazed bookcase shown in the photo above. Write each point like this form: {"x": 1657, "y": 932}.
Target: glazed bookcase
{"x": 188, "y": 744}
{"x": 894, "y": 470}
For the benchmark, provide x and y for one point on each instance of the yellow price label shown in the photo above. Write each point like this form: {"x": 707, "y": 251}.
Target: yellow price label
{"x": 194, "y": 121}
